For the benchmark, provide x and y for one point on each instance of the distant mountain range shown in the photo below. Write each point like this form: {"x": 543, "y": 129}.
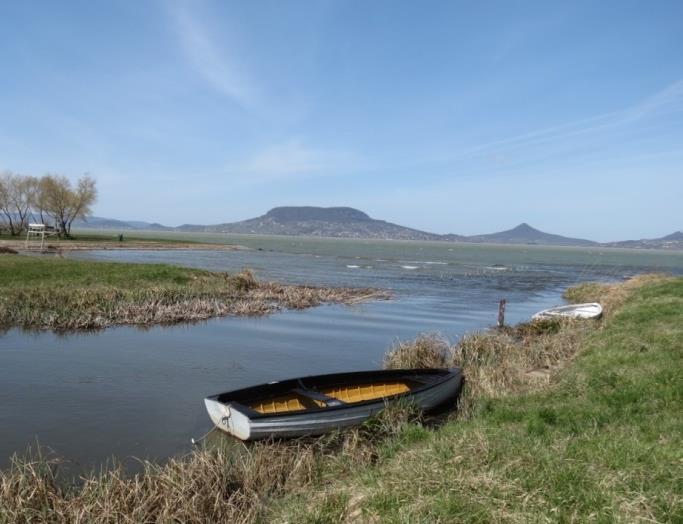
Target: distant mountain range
{"x": 672, "y": 241}
{"x": 346, "y": 222}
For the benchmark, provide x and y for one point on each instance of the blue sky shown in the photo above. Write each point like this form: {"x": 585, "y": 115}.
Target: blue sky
{"x": 463, "y": 117}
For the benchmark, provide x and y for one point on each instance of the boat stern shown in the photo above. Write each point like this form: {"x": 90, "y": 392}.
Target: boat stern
{"x": 228, "y": 419}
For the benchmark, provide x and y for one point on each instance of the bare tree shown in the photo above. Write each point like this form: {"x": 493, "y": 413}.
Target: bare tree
{"x": 64, "y": 202}
{"x": 5, "y": 208}
{"x": 17, "y": 194}
{"x": 39, "y": 210}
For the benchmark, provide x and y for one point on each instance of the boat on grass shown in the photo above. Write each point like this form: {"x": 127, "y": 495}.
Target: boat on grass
{"x": 318, "y": 404}
{"x": 579, "y": 311}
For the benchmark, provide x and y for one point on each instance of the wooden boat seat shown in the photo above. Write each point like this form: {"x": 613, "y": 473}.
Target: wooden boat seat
{"x": 320, "y": 397}
{"x": 372, "y": 391}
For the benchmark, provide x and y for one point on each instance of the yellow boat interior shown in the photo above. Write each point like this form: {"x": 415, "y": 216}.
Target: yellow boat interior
{"x": 300, "y": 399}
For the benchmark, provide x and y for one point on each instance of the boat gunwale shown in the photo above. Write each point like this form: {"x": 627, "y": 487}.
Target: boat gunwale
{"x": 446, "y": 375}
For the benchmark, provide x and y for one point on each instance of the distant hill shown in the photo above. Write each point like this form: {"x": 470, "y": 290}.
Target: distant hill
{"x": 347, "y": 222}
{"x": 672, "y": 241}
{"x": 525, "y": 234}
{"x": 343, "y": 222}
{"x": 93, "y": 222}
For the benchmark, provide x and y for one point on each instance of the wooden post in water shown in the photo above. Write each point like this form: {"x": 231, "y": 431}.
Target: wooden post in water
{"x": 501, "y": 312}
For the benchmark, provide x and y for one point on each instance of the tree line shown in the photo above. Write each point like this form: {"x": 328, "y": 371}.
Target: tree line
{"x": 52, "y": 200}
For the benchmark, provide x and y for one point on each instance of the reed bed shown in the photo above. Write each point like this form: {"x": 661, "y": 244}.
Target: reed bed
{"x": 41, "y": 294}
{"x": 213, "y": 484}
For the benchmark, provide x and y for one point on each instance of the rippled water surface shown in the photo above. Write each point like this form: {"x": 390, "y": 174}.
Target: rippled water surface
{"x": 128, "y": 392}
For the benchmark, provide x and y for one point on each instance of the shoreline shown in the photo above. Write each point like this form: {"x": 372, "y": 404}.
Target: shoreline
{"x": 58, "y": 246}
{"x": 64, "y": 294}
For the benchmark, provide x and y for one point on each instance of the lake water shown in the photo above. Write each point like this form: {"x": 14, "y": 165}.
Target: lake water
{"x": 129, "y": 392}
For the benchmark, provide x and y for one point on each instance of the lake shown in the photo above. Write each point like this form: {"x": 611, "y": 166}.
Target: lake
{"x": 131, "y": 392}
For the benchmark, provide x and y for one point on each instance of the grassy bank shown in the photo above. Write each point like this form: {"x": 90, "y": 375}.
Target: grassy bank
{"x": 559, "y": 422}
{"x": 62, "y": 294}
{"x": 86, "y": 240}
{"x": 594, "y": 433}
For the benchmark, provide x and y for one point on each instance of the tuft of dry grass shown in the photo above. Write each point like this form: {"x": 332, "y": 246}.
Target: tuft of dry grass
{"x": 429, "y": 350}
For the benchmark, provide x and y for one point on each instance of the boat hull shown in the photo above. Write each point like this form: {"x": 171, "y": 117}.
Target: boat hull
{"x": 577, "y": 311}
{"x": 234, "y": 419}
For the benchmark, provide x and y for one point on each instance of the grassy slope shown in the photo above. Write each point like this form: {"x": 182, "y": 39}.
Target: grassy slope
{"x": 603, "y": 443}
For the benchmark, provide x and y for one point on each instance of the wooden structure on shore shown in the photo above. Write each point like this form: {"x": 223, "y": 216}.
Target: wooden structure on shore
{"x": 38, "y": 231}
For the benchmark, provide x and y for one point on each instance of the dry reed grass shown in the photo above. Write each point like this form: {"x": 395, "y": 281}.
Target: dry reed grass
{"x": 514, "y": 359}
{"x": 209, "y": 485}
{"x": 429, "y": 350}
{"x": 201, "y": 297}
{"x": 495, "y": 363}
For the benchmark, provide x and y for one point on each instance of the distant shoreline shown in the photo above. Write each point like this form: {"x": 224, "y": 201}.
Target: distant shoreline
{"x": 155, "y": 235}
{"x": 56, "y": 246}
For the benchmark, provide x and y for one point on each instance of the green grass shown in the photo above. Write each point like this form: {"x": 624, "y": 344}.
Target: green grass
{"x": 53, "y": 273}
{"x": 108, "y": 237}
{"x": 64, "y": 294}
{"x": 602, "y": 443}
{"x": 81, "y": 236}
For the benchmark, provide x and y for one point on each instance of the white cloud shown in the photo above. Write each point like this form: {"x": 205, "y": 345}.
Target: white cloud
{"x": 214, "y": 61}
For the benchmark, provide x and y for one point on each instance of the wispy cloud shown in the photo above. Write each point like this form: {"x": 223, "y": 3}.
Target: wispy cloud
{"x": 214, "y": 60}
{"x": 665, "y": 102}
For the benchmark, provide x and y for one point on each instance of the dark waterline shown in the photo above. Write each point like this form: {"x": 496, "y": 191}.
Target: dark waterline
{"x": 138, "y": 392}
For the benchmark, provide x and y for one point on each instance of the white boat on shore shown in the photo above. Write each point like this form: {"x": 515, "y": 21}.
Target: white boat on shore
{"x": 318, "y": 404}
{"x": 578, "y": 311}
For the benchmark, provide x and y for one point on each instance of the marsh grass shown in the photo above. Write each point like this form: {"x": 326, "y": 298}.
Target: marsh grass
{"x": 429, "y": 350}
{"x": 495, "y": 363}
{"x": 62, "y": 294}
{"x": 232, "y": 483}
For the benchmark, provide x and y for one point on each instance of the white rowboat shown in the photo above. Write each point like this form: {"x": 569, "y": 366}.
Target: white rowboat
{"x": 322, "y": 403}
{"x": 589, "y": 310}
